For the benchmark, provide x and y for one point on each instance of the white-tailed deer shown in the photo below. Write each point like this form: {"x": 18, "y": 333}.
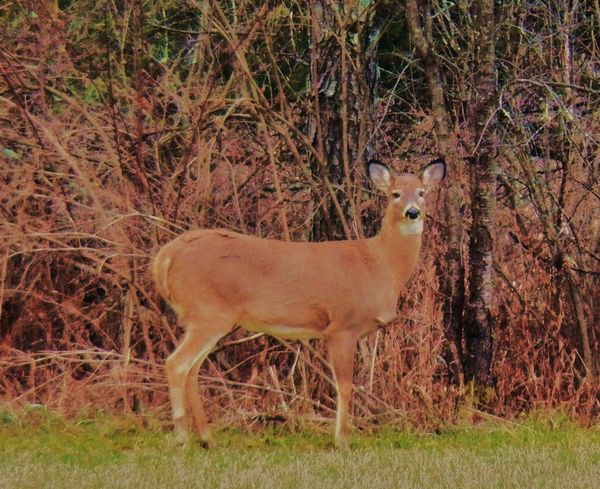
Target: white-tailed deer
{"x": 337, "y": 290}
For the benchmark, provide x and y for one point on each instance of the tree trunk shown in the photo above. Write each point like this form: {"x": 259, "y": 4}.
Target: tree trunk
{"x": 344, "y": 37}
{"x": 451, "y": 266}
{"x": 478, "y": 317}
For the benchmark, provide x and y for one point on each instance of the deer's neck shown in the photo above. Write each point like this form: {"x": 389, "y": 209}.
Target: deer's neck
{"x": 400, "y": 249}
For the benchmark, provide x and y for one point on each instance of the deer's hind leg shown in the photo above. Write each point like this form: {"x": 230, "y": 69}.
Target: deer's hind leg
{"x": 194, "y": 403}
{"x": 182, "y": 369}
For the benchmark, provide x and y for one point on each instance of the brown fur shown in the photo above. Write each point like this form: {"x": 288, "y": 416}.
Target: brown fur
{"x": 337, "y": 291}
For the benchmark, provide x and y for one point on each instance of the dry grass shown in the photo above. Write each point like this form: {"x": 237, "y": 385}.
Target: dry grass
{"x": 533, "y": 468}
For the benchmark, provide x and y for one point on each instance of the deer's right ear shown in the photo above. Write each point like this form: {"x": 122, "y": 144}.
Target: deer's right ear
{"x": 380, "y": 175}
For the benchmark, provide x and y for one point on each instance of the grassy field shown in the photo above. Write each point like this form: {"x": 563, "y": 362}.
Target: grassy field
{"x": 39, "y": 450}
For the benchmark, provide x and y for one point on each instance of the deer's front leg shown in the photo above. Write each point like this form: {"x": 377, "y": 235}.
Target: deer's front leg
{"x": 341, "y": 346}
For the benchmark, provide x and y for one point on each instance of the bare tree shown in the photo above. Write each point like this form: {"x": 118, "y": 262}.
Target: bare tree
{"x": 344, "y": 38}
{"x": 452, "y": 275}
{"x": 478, "y": 317}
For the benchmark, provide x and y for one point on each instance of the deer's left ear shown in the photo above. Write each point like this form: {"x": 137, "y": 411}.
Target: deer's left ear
{"x": 433, "y": 173}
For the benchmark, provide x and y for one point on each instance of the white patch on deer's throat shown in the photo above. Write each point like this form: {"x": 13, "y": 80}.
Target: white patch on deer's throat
{"x": 408, "y": 228}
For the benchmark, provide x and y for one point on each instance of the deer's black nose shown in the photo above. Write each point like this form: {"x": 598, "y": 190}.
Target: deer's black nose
{"x": 413, "y": 213}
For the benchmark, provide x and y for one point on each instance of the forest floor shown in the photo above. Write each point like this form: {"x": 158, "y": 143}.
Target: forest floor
{"x": 43, "y": 450}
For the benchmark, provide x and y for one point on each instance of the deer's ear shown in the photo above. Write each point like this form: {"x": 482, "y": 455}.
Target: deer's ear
{"x": 380, "y": 175}
{"x": 433, "y": 173}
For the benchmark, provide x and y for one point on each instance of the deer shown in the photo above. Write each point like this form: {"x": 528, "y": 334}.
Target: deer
{"x": 336, "y": 291}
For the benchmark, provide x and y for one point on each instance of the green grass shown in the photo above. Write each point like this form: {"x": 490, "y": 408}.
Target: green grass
{"x": 39, "y": 449}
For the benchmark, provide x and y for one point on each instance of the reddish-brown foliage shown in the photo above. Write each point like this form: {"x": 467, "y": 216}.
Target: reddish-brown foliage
{"x": 111, "y": 147}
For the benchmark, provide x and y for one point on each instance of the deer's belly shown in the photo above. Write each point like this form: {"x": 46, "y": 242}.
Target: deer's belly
{"x": 283, "y": 331}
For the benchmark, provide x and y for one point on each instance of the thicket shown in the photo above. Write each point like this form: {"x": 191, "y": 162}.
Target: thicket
{"x": 124, "y": 124}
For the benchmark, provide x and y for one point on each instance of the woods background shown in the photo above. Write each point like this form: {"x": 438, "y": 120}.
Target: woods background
{"x": 125, "y": 123}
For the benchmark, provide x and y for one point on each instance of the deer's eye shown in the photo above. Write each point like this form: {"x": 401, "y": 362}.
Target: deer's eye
{"x": 396, "y": 195}
{"x": 421, "y": 193}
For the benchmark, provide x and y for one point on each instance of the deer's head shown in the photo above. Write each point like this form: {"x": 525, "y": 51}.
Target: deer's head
{"x": 406, "y": 193}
